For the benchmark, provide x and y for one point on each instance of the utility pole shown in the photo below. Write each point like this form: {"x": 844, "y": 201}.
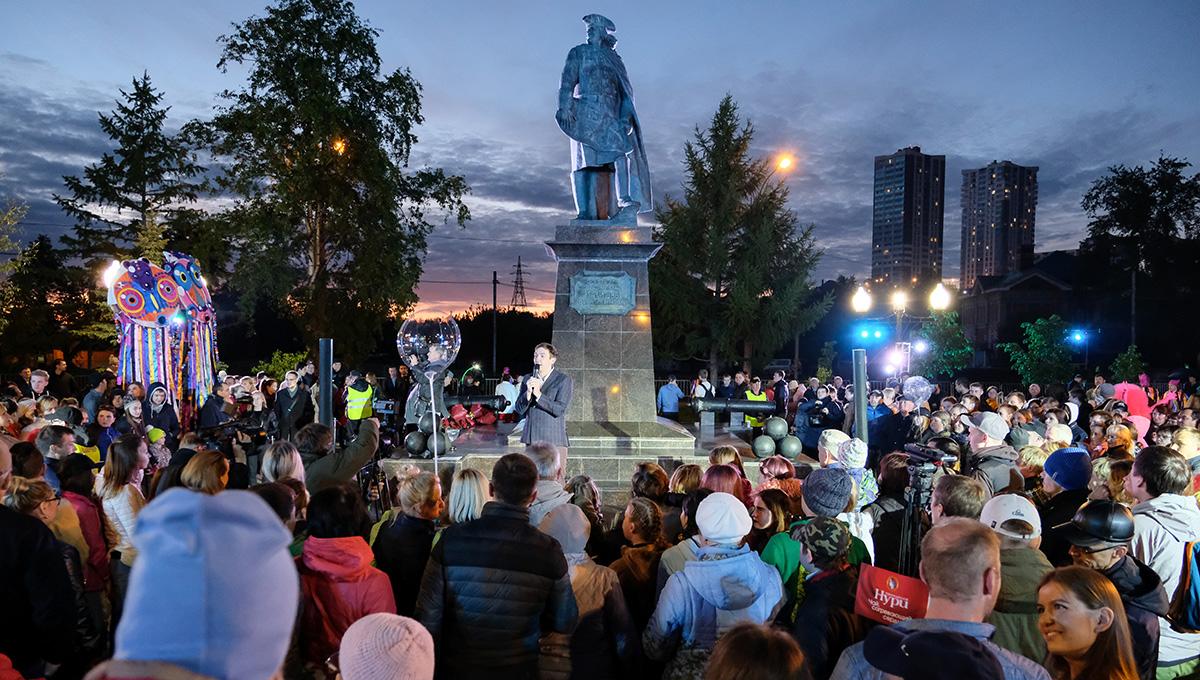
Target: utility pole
{"x": 495, "y": 282}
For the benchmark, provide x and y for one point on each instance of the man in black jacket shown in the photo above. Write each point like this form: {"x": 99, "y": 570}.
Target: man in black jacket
{"x": 213, "y": 412}
{"x": 780, "y": 388}
{"x": 495, "y": 585}
{"x": 1099, "y": 535}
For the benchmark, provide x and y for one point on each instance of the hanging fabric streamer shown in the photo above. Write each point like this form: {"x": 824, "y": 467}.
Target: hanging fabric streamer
{"x": 166, "y": 325}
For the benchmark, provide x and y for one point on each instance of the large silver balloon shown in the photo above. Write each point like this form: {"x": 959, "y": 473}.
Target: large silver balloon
{"x": 429, "y": 344}
{"x": 918, "y": 389}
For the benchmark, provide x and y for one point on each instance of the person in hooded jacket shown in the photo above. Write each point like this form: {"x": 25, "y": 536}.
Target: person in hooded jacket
{"x": 725, "y": 586}
{"x": 1099, "y": 535}
{"x": 604, "y": 643}
{"x": 550, "y": 490}
{"x": 1165, "y": 520}
{"x": 158, "y": 412}
{"x": 338, "y": 585}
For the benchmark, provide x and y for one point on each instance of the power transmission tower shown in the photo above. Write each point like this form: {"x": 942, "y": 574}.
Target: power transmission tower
{"x": 518, "y": 298}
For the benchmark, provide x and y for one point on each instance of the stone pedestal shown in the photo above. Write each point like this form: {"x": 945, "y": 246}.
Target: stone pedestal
{"x": 602, "y": 333}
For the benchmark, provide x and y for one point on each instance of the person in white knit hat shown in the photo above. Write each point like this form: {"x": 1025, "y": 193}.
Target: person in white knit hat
{"x": 386, "y": 647}
{"x": 851, "y": 456}
{"x": 725, "y": 585}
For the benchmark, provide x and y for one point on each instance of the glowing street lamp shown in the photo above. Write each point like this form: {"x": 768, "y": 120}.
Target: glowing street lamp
{"x": 861, "y": 301}
{"x": 899, "y": 301}
{"x": 785, "y": 163}
{"x": 939, "y": 299}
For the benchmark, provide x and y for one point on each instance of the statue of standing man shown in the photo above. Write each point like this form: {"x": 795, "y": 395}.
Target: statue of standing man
{"x": 595, "y": 109}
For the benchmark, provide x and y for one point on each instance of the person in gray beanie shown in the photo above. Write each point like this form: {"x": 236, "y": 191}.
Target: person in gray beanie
{"x": 827, "y": 493}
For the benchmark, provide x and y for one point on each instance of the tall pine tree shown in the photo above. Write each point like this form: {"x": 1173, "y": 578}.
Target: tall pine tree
{"x": 137, "y": 192}
{"x": 732, "y": 279}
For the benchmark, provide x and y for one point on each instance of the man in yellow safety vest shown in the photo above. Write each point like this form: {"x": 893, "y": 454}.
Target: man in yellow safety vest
{"x": 359, "y": 396}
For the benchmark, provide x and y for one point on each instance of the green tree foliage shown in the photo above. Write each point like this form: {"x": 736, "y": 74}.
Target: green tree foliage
{"x": 1148, "y": 209}
{"x": 949, "y": 349}
{"x": 314, "y": 145}
{"x": 279, "y": 364}
{"x": 732, "y": 279}
{"x": 1045, "y": 357}
{"x": 136, "y": 193}
{"x": 44, "y": 302}
{"x": 1127, "y": 365}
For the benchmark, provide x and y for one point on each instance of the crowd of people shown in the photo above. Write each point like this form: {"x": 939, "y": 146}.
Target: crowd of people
{"x": 143, "y": 541}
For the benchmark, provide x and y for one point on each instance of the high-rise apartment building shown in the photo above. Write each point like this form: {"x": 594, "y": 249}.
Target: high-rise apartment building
{"x": 906, "y": 224}
{"x": 999, "y": 205}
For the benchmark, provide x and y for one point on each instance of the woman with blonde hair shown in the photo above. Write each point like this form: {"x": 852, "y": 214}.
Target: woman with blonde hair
{"x": 207, "y": 472}
{"x": 727, "y": 455}
{"x": 1081, "y": 617}
{"x": 121, "y": 495}
{"x": 686, "y": 478}
{"x": 403, "y": 545}
{"x": 468, "y": 493}
{"x": 282, "y": 460}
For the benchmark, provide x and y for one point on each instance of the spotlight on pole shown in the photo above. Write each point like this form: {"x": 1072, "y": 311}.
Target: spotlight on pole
{"x": 920, "y": 346}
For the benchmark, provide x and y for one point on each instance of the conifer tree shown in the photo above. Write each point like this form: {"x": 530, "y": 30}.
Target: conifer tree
{"x": 732, "y": 279}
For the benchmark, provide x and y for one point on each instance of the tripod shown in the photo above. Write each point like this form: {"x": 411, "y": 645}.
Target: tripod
{"x": 912, "y": 526}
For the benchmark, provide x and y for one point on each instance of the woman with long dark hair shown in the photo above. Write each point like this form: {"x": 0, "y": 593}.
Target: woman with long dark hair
{"x": 1083, "y": 622}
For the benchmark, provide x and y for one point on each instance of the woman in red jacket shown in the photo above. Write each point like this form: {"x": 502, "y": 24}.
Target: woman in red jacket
{"x": 338, "y": 585}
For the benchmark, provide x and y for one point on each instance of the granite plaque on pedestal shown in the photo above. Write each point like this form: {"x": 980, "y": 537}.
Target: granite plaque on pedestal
{"x": 607, "y": 293}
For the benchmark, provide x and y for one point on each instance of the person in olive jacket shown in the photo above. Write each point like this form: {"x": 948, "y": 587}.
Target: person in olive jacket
{"x": 495, "y": 585}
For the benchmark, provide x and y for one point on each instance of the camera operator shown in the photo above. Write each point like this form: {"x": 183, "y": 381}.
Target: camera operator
{"x": 815, "y": 416}
{"x": 325, "y": 465}
{"x": 992, "y": 461}
{"x": 217, "y": 408}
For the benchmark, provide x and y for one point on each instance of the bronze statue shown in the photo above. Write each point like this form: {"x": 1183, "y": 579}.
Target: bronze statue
{"x": 595, "y": 109}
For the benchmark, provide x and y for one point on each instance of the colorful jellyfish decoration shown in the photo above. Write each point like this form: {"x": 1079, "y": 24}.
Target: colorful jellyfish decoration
{"x": 166, "y": 324}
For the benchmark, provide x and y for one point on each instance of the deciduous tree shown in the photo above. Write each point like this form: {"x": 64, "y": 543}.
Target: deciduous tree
{"x": 315, "y": 145}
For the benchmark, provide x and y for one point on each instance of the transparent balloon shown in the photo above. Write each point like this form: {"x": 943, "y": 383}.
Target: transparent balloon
{"x": 918, "y": 389}
{"x": 429, "y": 346}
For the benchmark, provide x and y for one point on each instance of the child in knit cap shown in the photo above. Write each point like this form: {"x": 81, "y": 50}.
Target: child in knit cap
{"x": 851, "y": 456}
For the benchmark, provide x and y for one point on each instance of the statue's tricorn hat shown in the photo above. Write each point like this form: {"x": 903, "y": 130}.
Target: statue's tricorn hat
{"x": 600, "y": 20}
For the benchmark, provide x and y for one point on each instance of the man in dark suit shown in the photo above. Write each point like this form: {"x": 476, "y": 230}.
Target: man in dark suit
{"x": 544, "y": 397}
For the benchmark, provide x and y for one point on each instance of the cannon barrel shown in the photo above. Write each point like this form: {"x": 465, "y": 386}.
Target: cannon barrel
{"x": 496, "y": 402}
{"x": 739, "y": 405}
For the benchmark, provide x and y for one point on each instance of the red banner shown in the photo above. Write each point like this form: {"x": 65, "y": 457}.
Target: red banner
{"x": 888, "y": 597}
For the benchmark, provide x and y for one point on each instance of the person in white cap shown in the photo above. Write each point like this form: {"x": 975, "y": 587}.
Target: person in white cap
{"x": 725, "y": 585}
{"x": 1022, "y": 565}
{"x": 992, "y": 461}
